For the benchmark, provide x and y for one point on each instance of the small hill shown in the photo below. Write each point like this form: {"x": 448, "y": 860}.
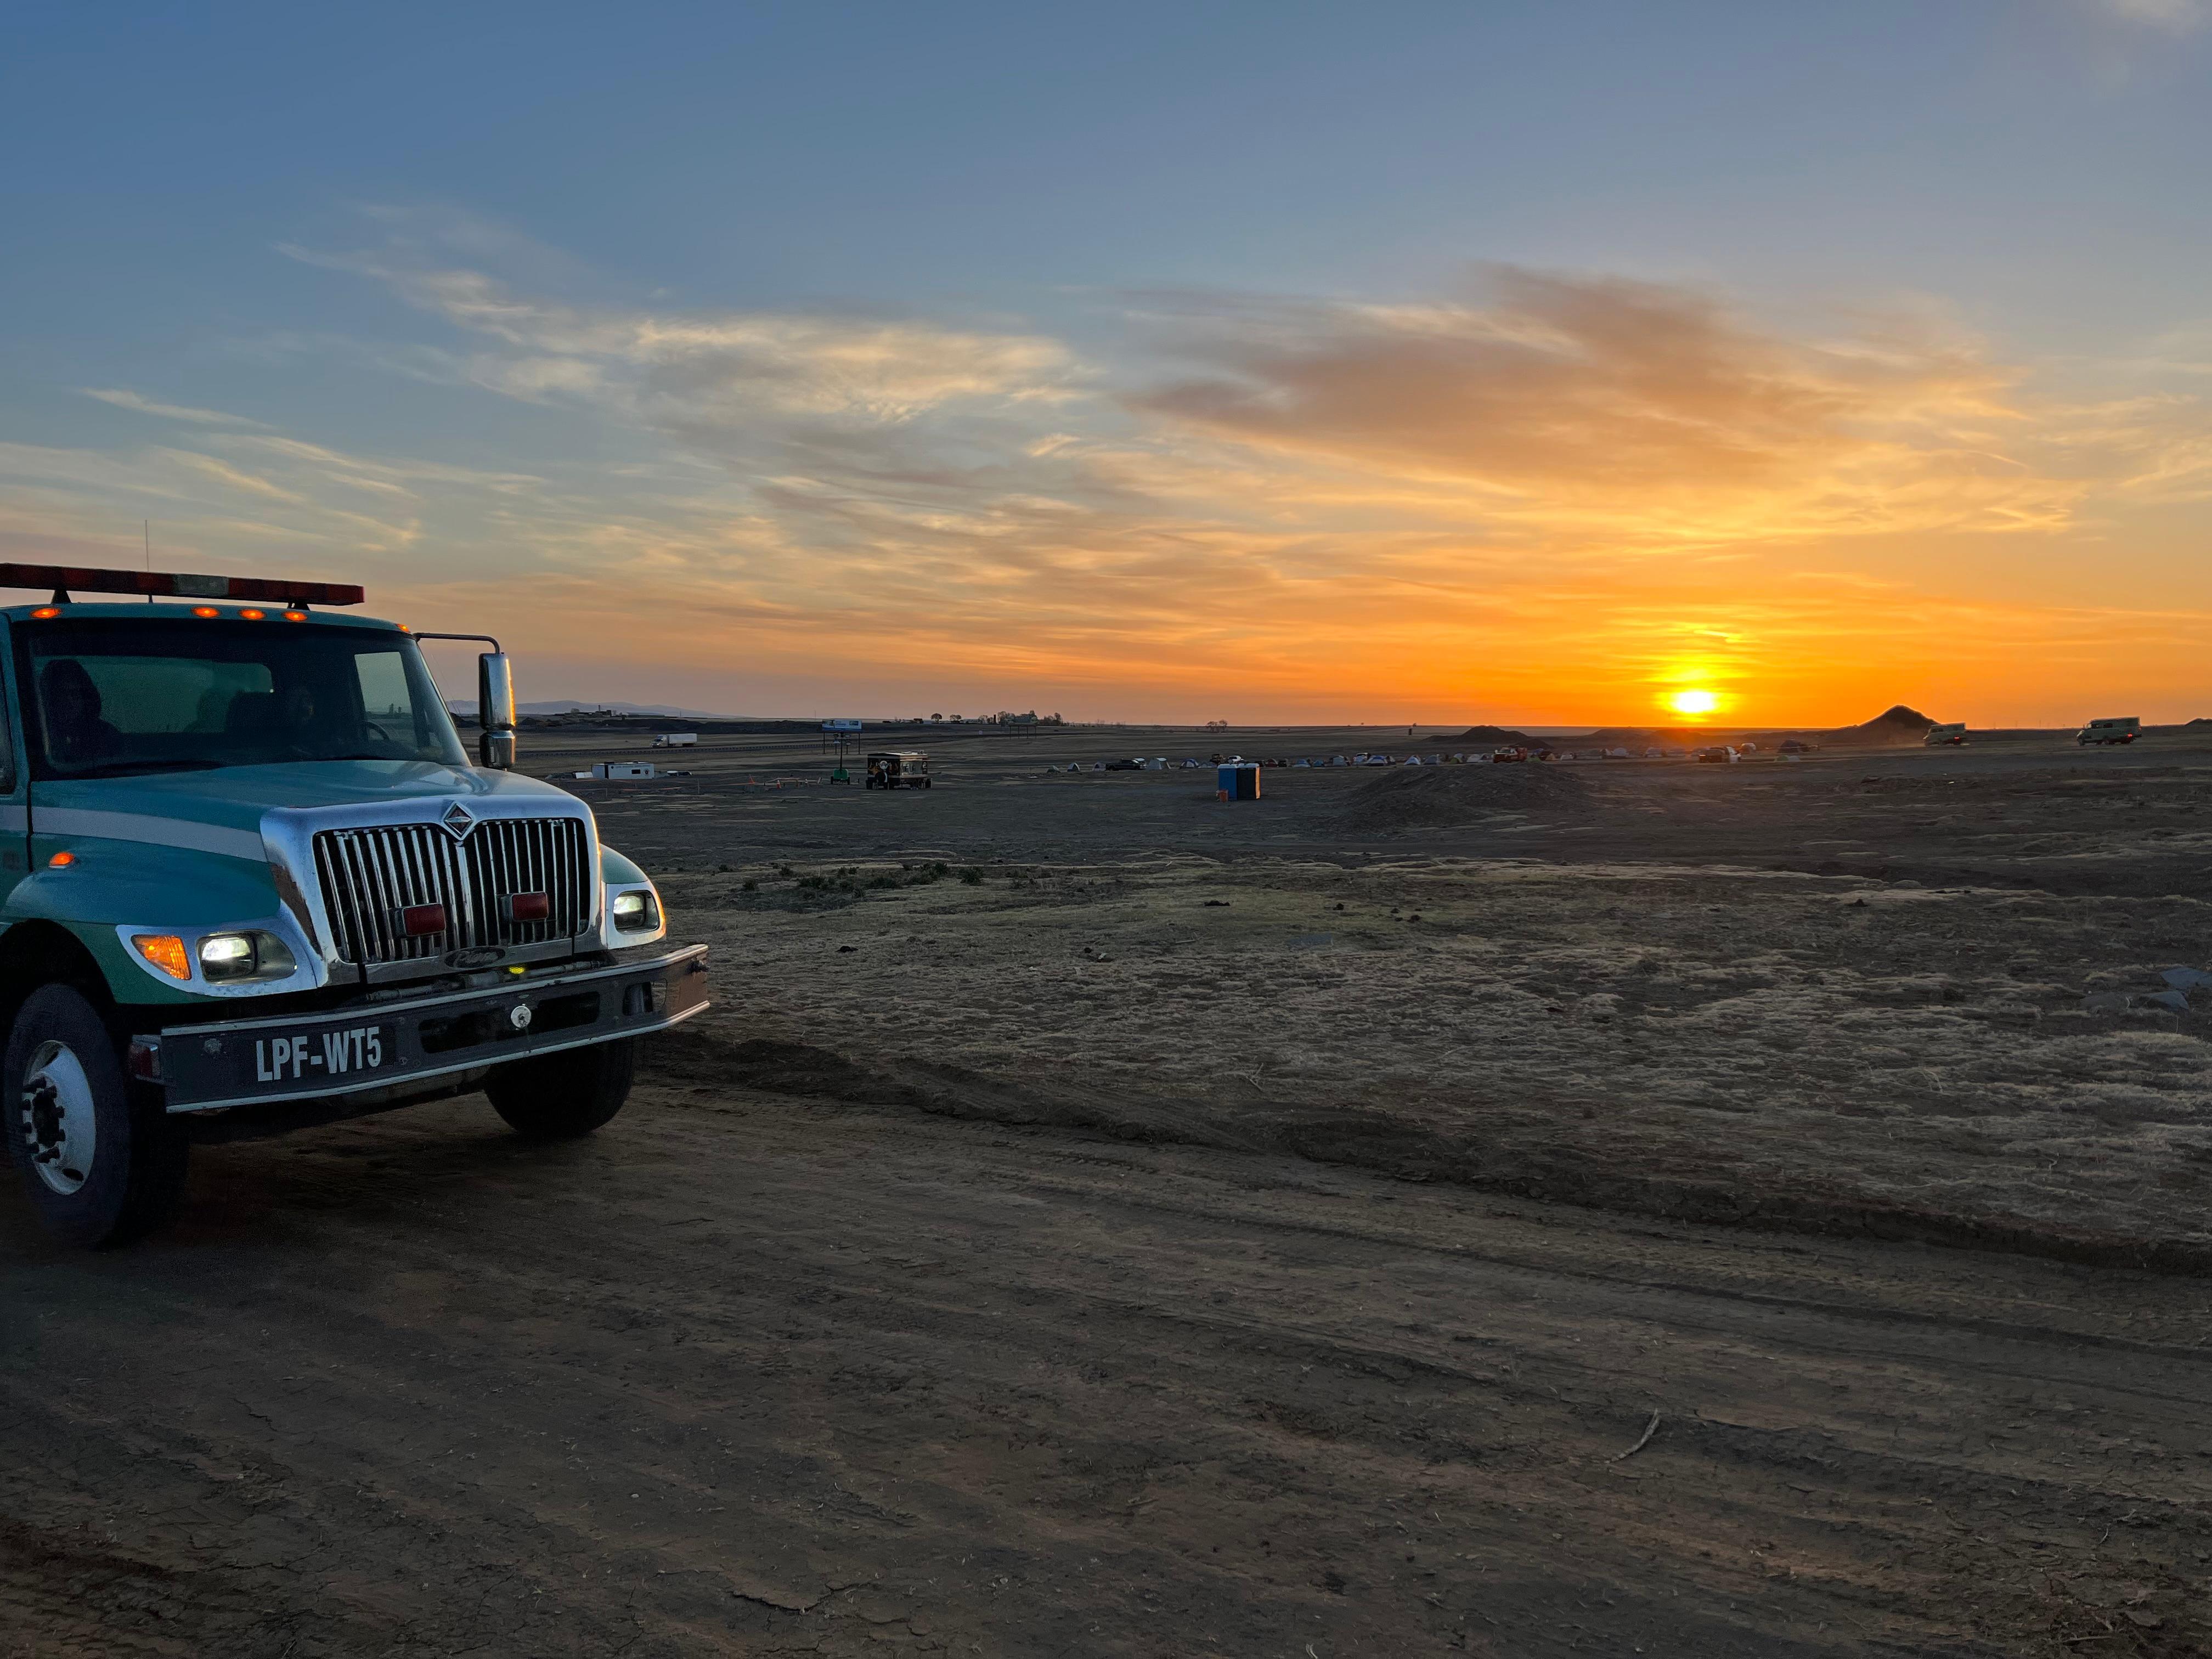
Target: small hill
{"x": 1895, "y": 728}
{"x": 1894, "y": 725}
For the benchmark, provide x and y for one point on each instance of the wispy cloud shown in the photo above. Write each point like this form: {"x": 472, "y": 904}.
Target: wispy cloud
{"x": 2170, "y": 17}
{"x": 224, "y": 473}
{"x": 703, "y": 371}
{"x": 123, "y": 398}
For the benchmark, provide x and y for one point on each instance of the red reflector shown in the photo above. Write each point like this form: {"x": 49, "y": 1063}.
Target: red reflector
{"x": 145, "y": 1058}
{"x": 419, "y": 919}
{"x": 528, "y": 907}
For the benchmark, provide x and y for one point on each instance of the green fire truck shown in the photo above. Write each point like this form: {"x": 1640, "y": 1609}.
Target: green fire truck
{"x": 253, "y": 881}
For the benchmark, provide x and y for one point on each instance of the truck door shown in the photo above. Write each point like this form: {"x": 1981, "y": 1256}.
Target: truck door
{"x": 15, "y": 777}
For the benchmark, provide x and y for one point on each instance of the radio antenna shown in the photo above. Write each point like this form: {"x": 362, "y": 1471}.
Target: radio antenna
{"x": 149, "y": 526}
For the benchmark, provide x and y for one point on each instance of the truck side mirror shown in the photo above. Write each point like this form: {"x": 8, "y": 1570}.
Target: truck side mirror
{"x": 496, "y": 711}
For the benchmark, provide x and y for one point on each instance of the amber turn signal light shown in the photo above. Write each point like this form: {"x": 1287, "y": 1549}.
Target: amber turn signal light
{"x": 61, "y": 860}
{"x": 45, "y": 611}
{"x": 254, "y": 616}
{"x": 165, "y": 951}
{"x": 205, "y": 610}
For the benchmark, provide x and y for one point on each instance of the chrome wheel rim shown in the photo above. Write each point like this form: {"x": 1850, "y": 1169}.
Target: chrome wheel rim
{"x": 58, "y": 1127}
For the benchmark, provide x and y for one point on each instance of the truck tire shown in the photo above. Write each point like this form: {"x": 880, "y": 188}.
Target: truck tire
{"x": 102, "y": 1161}
{"x": 560, "y": 1097}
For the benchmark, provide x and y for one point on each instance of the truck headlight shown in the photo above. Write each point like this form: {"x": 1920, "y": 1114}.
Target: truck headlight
{"x": 637, "y": 911}
{"x": 229, "y": 959}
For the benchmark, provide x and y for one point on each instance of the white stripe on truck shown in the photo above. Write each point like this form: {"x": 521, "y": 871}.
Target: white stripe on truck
{"x": 146, "y": 828}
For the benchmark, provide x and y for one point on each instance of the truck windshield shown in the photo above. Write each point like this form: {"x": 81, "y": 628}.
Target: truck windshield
{"x": 110, "y": 698}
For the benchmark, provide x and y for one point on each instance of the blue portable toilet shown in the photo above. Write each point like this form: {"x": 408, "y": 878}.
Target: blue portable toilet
{"x": 1239, "y": 782}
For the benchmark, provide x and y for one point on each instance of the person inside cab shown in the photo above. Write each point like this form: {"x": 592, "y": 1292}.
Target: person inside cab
{"x": 76, "y": 733}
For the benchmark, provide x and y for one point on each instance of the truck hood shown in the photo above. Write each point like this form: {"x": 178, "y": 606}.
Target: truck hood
{"x": 235, "y": 796}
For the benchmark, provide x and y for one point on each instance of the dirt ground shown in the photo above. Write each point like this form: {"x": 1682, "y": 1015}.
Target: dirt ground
{"x": 1604, "y": 1209}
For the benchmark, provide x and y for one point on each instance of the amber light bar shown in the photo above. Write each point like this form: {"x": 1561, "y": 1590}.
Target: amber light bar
{"x": 64, "y": 579}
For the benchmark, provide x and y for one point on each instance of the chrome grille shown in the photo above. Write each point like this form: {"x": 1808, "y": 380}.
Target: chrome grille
{"x": 370, "y": 875}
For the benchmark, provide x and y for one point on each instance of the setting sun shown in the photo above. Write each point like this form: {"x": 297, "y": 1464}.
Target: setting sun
{"x": 1694, "y": 702}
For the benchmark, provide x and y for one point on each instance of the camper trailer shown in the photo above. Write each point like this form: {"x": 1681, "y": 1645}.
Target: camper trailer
{"x": 2119, "y": 728}
{"x": 1951, "y": 733}
{"x": 898, "y": 768}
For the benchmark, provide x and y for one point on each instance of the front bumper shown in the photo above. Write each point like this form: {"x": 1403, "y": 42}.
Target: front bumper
{"x": 382, "y": 1047}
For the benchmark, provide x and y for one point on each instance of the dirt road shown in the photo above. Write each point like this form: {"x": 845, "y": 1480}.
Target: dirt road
{"x": 756, "y": 1375}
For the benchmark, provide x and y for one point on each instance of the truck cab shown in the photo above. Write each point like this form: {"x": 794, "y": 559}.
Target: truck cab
{"x": 250, "y": 879}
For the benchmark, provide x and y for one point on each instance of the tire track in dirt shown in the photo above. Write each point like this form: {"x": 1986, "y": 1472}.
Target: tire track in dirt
{"x": 1390, "y": 1147}
{"x": 750, "y": 1373}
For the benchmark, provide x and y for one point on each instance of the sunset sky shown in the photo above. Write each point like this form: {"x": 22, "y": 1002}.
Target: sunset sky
{"x": 1529, "y": 363}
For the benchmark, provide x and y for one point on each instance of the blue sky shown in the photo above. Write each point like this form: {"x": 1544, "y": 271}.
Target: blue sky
{"x": 1063, "y": 356}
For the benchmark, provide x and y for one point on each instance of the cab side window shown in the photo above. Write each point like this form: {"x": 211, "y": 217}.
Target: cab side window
{"x": 8, "y": 774}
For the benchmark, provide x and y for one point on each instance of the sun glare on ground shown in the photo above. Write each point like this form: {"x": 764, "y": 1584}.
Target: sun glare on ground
{"x": 1694, "y": 702}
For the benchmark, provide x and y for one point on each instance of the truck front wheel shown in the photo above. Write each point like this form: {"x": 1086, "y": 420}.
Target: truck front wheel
{"x": 561, "y": 1096}
{"x": 102, "y": 1161}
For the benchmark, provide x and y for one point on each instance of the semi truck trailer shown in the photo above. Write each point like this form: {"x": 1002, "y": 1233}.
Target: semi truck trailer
{"x": 253, "y": 881}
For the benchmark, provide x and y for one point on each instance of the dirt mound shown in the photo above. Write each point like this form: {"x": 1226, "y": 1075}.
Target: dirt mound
{"x": 1897, "y": 724}
{"x": 1445, "y": 797}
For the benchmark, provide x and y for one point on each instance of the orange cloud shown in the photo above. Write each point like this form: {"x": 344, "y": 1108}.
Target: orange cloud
{"x": 1546, "y": 497}
{"x": 1634, "y": 410}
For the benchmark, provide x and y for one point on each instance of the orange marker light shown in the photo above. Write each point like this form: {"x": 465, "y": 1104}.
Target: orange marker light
{"x": 205, "y": 610}
{"x": 165, "y": 951}
{"x": 254, "y": 616}
{"x": 296, "y": 615}
{"x": 46, "y": 610}
{"x": 61, "y": 860}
